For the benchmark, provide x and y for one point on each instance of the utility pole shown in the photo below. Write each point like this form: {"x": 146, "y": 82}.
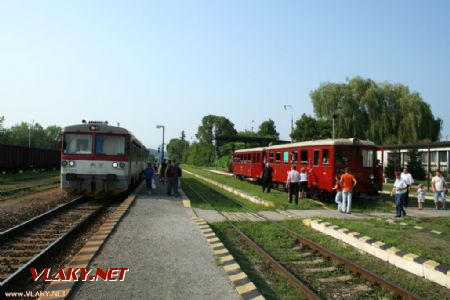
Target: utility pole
{"x": 292, "y": 117}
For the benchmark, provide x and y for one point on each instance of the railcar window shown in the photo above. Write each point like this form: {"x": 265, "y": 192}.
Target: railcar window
{"x": 271, "y": 157}
{"x": 109, "y": 145}
{"x": 316, "y": 157}
{"x": 77, "y": 143}
{"x": 294, "y": 155}
{"x": 340, "y": 158}
{"x": 325, "y": 156}
{"x": 304, "y": 157}
{"x": 278, "y": 157}
{"x": 258, "y": 158}
{"x": 285, "y": 157}
{"x": 367, "y": 158}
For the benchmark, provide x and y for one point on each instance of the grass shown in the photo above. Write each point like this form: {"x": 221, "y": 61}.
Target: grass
{"x": 9, "y": 178}
{"x": 270, "y": 284}
{"x": 406, "y": 238}
{"x": 415, "y": 284}
{"x": 280, "y": 199}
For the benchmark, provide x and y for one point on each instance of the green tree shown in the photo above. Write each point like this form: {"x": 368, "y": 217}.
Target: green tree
{"x": 268, "y": 128}
{"x": 213, "y": 126}
{"x": 415, "y": 165}
{"x": 308, "y": 128}
{"x": 25, "y": 134}
{"x": 176, "y": 149}
{"x": 381, "y": 112}
{"x": 393, "y": 164}
{"x": 200, "y": 154}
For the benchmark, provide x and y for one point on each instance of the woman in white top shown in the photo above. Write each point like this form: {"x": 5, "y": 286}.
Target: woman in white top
{"x": 303, "y": 183}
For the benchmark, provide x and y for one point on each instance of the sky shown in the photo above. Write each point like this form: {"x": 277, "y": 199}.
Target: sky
{"x": 149, "y": 63}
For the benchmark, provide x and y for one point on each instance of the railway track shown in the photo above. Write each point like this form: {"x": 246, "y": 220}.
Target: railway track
{"x": 33, "y": 242}
{"x": 318, "y": 272}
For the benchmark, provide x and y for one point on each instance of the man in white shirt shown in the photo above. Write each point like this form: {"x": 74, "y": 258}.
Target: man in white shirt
{"x": 439, "y": 187}
{"x": 407, "y": 177}
{"x": 292, "y": 183}
{"x": 399, "y": 190}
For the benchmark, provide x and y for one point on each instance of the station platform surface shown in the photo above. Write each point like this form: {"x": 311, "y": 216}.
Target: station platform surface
{"x": 167, "y": 255}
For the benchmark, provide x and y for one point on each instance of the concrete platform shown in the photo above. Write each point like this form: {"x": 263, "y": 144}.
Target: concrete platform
{"x": 167, "y": 255}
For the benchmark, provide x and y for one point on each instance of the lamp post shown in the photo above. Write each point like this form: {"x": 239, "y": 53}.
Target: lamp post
{"x": 292, "y": 117}
{"x": 253, "y": 121}
{"x": 162, "y": 150}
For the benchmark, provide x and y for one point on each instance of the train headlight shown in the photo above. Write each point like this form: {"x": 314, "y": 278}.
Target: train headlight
{"x": 372, "y": 177}
{"x": 122, "y": 165}
{"x": 72, "y": 163}
{"x": 64, "y": 163}
{"x": 115, "y": 165}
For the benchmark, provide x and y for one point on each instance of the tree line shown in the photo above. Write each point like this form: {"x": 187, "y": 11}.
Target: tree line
{"x": 384, "y": 113}
{"x": 34, "y": 135}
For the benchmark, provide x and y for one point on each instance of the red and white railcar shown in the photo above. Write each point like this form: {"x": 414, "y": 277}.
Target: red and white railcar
{"x": 322, "y": 159}
{"x": 97, "y": 158}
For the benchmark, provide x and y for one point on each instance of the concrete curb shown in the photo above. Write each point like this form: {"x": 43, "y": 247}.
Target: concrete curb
{"x": 237, "y": 192}
{"x": 410, "y": 262}
{"x": 244, "y": 287}
{"x": 62, "y": 289}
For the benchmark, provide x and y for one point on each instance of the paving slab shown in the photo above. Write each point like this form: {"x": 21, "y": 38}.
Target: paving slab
{"x": 167, "y": 256}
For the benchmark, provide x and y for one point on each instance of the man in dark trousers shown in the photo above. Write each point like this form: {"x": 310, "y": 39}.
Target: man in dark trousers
{"x": 172, "y": 178}
{"x": 266, "y": 178}
{"x": 162, "y": 171}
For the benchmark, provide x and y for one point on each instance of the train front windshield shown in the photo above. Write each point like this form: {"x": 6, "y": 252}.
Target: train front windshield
{"x": 77, "y": 143}
{"x": 109, "y": 145}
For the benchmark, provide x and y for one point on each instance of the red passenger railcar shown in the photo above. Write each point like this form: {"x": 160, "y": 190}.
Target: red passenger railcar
{"x": 321, "y": 159}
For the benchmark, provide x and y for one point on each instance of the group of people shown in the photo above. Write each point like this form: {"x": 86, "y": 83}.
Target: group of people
{"x": 401, "y": 189}
{"x": 169, "y": 171}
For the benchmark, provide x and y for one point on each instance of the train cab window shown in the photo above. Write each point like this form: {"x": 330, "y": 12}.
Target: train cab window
{"x": 271, "y": 157}
{"x": 367, "y": 158}
{"x": 109, "y": 145}
{"x": 285, "y": 157}
{"x": 325, "y": 156}
{"x": 340, "y": 158}
{"x": 304, "y": 157}
{"x": 258, "y": 157}
{"x": 316, "y": 157}
{"x": 278, "y": 157}
{"x": 77, "y": 143}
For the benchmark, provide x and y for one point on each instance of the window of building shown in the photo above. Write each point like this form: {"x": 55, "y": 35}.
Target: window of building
{"x": 316, "y": 157}
{"x": 278, "y": 157}
{"x": 325, "y": 156}
{"x": 304, "y": 157}
{"x": 443, "y": 157}
{"x": 433, "y": 158}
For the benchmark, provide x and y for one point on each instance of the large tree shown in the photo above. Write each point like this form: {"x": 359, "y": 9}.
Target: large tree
{"x": 308, "y": 128}
{"x": 25, "y": 134}
{"x": 381, "y": 112}
{"x": 176, "y": 149}
{"x": 213, "y": 126}
{"x": 268, "y": 128}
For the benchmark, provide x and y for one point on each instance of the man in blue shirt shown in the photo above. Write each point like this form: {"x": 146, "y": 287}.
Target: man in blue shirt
{"x": 149, "y": 172}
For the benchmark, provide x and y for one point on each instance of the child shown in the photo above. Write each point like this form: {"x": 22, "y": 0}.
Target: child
{"x": 338, "y": 188}
{"x": 420, "y": 196}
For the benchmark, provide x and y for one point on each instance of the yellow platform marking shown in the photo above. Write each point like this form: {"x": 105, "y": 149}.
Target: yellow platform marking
{"x": 226, "y": 258}
{"x": 219, "y": 244}
{"x": 213, "y": 240}
{"x": 222, "y": 251}
{"x": 238, "y": 276}
{"x": 231, "y": 267}
{"x": 186, "y": 203}
{"x": 246, "y": 288}
{"x": 210, "y": 235}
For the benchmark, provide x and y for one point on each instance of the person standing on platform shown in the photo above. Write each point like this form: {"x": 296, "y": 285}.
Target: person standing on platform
{"x": 162, "y": 171}
{"x": 179, "y": 174}
{"x": 399, "y": 190}
{"x": 303, "y": 182}
{"x": 266, "y": 178}
{"x": 171, "y": 176}
{"x": 338, "y": 188}
{"x": 420, "y": 196}
{"x": 407, "y": 177}
{"x": 293, "y": 181}
{"x": 439, "y": 187}
{"x": 149, "y": 172}
{"x": 348, "y": 183}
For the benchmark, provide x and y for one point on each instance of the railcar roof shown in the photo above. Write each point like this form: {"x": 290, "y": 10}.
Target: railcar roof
{"x": 101, "y": 128}
{"x": 250, "y": 149}
{"x": 326, "y": 142}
